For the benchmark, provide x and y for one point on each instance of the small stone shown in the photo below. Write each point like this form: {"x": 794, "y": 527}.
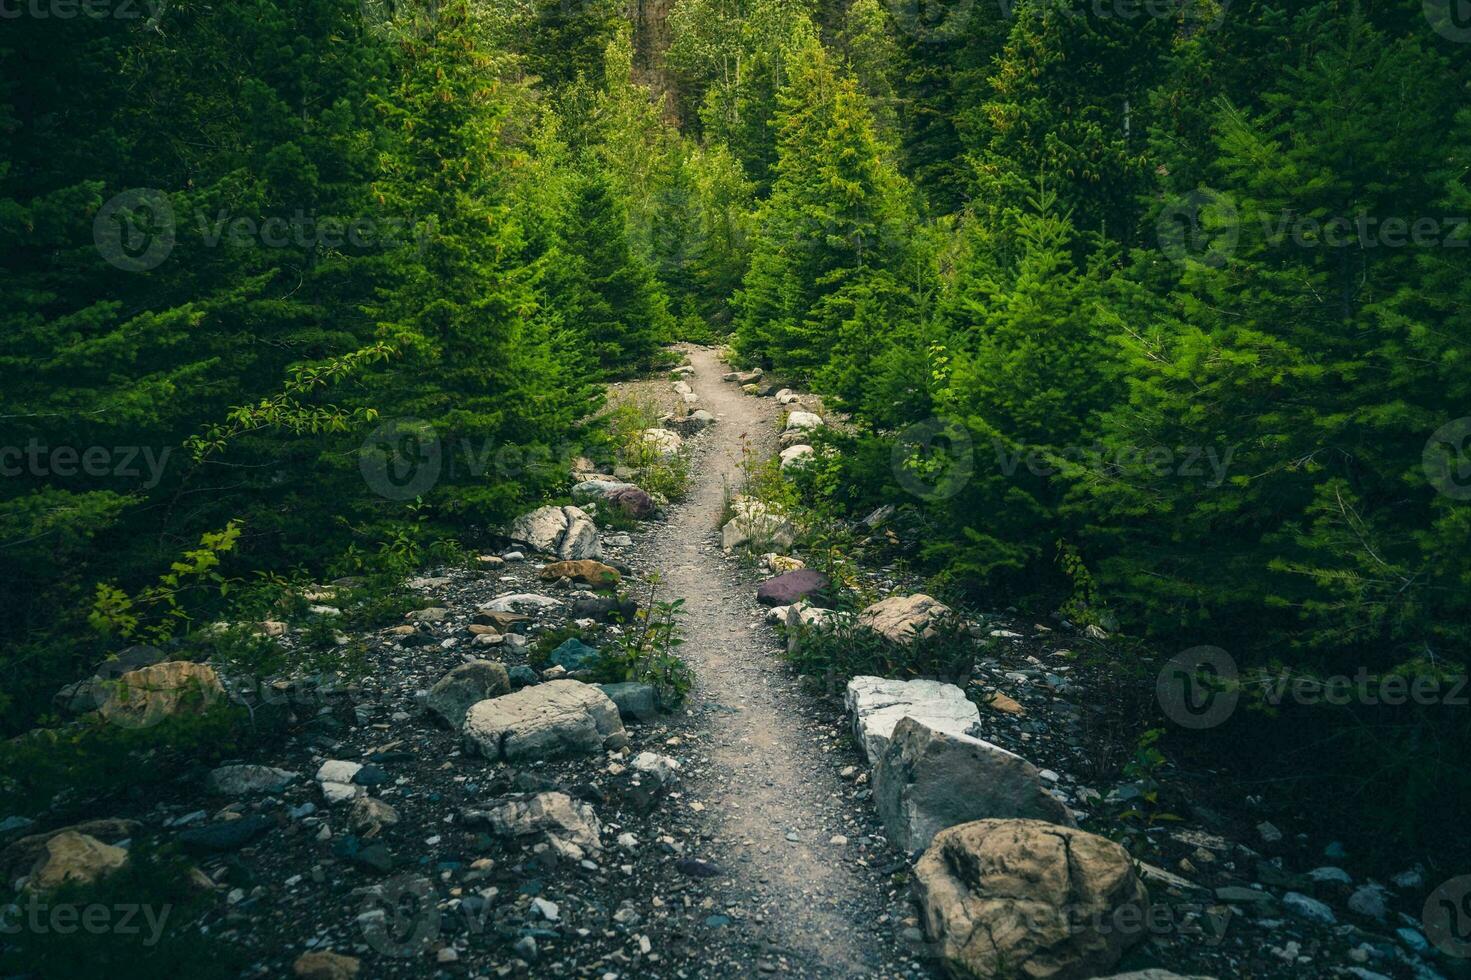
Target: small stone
{"x": 1309, "y": 909}
{"x": 325, "y": 965}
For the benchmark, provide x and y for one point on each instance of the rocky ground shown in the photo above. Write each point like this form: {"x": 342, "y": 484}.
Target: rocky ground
{"x": 734, "y": 836}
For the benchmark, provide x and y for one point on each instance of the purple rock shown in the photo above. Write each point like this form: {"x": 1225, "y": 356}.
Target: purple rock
{"x": 791, "y": 587}
{"x": 632, "y": 501}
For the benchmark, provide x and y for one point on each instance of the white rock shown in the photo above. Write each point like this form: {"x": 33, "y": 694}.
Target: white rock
{"x": 566, "y": 532}
{"x": 1307, "y": 908}
{"x": 508, "y": 603}
{"x": 666, "y": 442}
{"x": 803, "y": 421}
{"x": 877, "y": 704}
{"x": 661, "y": 767}
{"x": 796, "y": 456}
{"x": 756, "y": 528}
{"x": 338, "y": 771}
{"x": 560, "y": 717}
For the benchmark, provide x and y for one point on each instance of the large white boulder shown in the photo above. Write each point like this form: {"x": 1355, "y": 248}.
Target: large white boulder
{"x": 558, "y": 718}
{"x": 877, "y": 705}
{"x": 566, "y": 532}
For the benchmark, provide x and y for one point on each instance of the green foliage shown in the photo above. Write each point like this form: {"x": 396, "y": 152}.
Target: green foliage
{"x": 648, "y": 651}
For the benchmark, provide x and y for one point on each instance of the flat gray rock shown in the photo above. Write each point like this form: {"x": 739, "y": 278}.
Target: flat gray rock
{"x": 928, "y": 780}
{"x": 558, "y": 718}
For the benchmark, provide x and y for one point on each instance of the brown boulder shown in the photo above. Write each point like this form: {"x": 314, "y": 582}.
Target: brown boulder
{"x": 75, "y": 858}
{"x": 21, "y": 857}
{"x": 586, "y": 571}
{"x": 1007, "y": 898}
{"x": 325, "y": 965}
{"x": 145, "y": 697}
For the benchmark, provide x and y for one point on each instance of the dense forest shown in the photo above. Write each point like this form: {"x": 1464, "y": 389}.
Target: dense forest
{"x": 1154, "y": 314}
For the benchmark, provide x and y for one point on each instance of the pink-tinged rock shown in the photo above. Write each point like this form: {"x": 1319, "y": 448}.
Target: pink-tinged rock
{"x": 791, "y": 587}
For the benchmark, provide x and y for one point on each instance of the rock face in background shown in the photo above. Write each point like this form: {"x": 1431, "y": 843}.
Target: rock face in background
{"x": 927, "y": 781}
{"x": 566, "y": 532}
{"x": 467, "y": 685}
{"x": 791, "y": 587}
{"x": 757, "y": 529}
{"x": 877, "y": 705}
{"x": 562, "y": 717}
{"x": 902, "y": 619}
{"x": 1022, "y": 898}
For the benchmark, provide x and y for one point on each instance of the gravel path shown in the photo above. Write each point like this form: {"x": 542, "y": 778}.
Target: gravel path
{"x": 774, "y": 788}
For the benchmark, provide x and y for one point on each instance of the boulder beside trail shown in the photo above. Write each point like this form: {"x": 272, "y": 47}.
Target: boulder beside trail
{"x": 878, "y": 704}
{"x": 561, "y": 717}
{"x": 792, "y": 587}
{"x": 903, "y": 619}
{"x": 756, "y": 528}
{"x": 665, "y": 442}
{"x": 566, "y": 532}
{"x": 1008, "y": 898}
{"x": 803, "y": 421}
{"x": 928, "y": 780}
